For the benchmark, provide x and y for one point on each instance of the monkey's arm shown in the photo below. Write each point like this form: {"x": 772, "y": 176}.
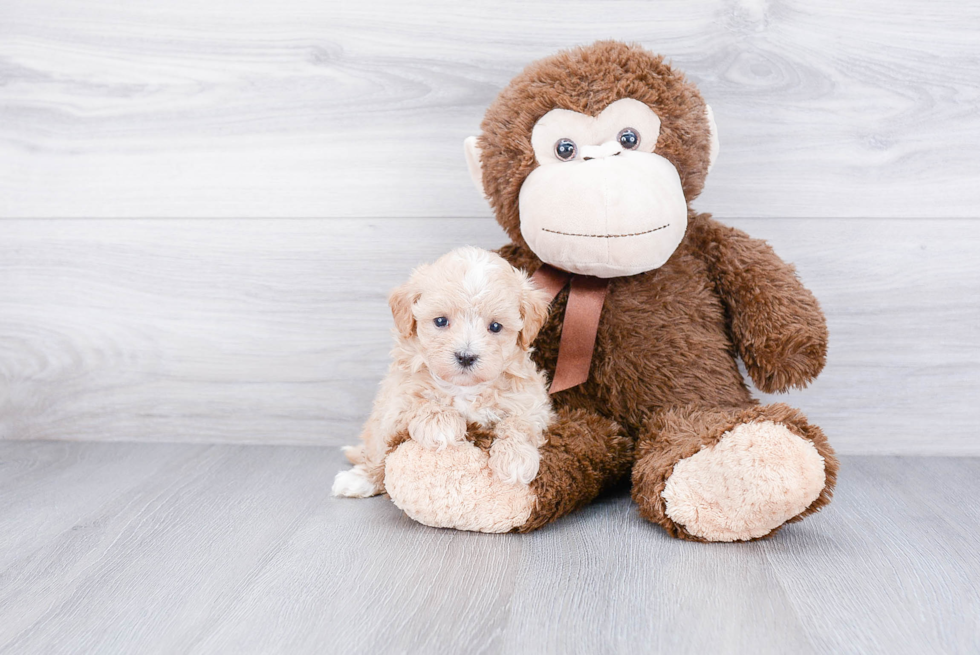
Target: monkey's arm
{"x": 775, "y": 322}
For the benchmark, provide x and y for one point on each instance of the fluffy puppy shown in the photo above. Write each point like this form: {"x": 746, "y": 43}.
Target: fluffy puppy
{"x": 463, "y": 331}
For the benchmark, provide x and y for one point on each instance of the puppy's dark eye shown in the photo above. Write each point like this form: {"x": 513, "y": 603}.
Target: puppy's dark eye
{"x": 495, "y": 327}
{"x": 442, "y": 321}
{"x": 628, "y": 138}
{"x": 565, "y": 149}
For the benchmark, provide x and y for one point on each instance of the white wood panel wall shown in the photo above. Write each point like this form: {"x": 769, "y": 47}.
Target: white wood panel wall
{"x": 203, "y": 205}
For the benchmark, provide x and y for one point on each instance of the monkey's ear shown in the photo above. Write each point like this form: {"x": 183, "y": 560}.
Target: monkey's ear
{"x": 535, "y": 304}
{"x": 472, "y": 150}
{"x": 713, "y": 132}
{"x": 401, "y": 301}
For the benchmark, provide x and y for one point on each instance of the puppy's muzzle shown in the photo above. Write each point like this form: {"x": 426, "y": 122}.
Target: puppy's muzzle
{"x": 466, "y": 360}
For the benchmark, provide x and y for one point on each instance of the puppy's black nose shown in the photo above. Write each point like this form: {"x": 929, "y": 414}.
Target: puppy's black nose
{"x": 466, "y": 360}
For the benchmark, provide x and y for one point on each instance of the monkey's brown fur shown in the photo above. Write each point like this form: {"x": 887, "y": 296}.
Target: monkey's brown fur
{"x": 664, "y": 374}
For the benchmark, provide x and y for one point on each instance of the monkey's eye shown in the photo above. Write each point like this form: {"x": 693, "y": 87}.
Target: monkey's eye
{"x": 628, "y": 138}
{"x": 441, "y": 322}
{"x": 495, "y": 327}
{"x": 565, "y": 149}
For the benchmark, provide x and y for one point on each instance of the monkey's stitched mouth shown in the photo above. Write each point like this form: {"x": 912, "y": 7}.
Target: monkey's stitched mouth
{"x": 616, "y": 154}
{"x": 605, "y": 236}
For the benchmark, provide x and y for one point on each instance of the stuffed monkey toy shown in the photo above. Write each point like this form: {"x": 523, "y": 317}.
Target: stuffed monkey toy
{"x": 590, "y": 160}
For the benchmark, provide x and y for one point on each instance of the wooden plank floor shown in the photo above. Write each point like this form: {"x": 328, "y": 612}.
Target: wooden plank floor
{"x": 173, "y": 548}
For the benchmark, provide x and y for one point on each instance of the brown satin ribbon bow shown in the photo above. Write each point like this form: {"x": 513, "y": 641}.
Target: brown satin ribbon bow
{"x": 579, "y": 325}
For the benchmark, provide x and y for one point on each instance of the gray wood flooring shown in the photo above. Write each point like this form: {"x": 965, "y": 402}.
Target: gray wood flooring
{"x": 173, "y": 548}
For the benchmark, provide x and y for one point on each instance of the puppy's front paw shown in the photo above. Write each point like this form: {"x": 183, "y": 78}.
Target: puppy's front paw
{"x": 355, "y": 483}
{"x": 437, "y": 429}
{"x": 514, "y": 461}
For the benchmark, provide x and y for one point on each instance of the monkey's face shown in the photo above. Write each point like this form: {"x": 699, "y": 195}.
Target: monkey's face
{"x": 590, "y": 157}
{"x": 601, "y": 200}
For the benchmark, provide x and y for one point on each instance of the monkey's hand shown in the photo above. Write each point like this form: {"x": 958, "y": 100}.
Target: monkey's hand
{"x": 775, "y": 322}
{"x": 436, "y": 427}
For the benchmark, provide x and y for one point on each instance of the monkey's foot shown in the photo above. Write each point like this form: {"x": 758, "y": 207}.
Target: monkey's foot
{"x": 454, "y": 488}
{"x": 741, "y": 474}
{"x": 756, "y": 478}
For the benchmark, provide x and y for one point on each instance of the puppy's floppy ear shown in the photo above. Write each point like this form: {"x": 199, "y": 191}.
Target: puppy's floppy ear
{"x": 535, "y": 305}
{"x": 401, "y": 300}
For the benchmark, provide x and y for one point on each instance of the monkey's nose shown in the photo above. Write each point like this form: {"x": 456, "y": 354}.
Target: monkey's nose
{"x": 607, "y": 149}
{"x": 466, "y": 360}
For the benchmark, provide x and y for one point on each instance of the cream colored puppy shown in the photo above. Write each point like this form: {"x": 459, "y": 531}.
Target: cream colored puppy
{"x": 463, "y": 331}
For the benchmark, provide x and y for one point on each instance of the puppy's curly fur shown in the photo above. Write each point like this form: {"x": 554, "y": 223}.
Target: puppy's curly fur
{"x": 463, "y": 330}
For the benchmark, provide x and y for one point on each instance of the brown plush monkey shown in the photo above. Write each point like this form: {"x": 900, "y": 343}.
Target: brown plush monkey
{"x": 590, "y": 159}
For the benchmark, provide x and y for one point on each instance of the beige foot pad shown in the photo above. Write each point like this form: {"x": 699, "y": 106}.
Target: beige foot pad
{"x": 454, "y": 488}
{"x": 752, "y": 481}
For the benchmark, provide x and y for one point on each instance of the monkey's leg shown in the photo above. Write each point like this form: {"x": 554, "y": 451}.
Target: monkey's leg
{"x": 585, "y": 455}
{"x": 731, "y": 474}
